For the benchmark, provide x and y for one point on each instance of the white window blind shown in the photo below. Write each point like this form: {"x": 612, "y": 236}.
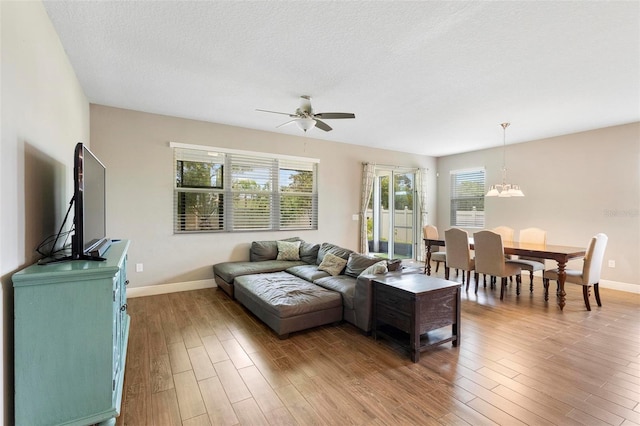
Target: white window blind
{"x": 467, "y": 198}
{"x": 230, "y": 191}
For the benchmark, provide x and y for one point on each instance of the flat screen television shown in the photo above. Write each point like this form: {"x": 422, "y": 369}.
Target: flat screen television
{"x": 90, "y": 222}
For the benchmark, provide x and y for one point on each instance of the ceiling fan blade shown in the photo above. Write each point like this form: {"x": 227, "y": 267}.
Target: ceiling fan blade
{"x": 276, "y": 112}
{"x": 288, "y": 122}
{"x": 322, "y": 125}
{"x": 334, "y": 115}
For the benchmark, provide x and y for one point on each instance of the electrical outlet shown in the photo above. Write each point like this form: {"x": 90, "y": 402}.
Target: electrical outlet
{"x": 612, "y": 264}
{"x": 139, "y": 267}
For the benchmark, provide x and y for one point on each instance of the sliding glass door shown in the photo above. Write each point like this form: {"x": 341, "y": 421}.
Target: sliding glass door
{"x": 391, "y": 222}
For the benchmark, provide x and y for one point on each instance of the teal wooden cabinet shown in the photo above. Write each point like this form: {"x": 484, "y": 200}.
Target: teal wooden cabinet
{"x": 71, "y": 330}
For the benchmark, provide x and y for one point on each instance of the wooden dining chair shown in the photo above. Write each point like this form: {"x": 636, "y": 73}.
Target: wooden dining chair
{"x": 590, "y": 273}
{"x": 431, "y": 232}
{"x": 456, "y": 245}
{"x": 531, "y": 264}
{"x": 490, "y": 259}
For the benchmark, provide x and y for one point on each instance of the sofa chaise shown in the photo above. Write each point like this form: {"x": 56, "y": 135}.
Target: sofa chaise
{"x": 292, "y": 285}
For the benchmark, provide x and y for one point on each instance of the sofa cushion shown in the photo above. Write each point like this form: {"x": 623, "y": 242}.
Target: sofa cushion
{"x": 333, "y": 249}
{"x": 343, "y": 284}
{"x": 288, "y": 250}
{"x": 358, "y": 263}
{"x": 283, "y": 295}
{"x": 266, "y": 250}
{"x": 309, "y": 253}
{"x": 332, "y": 264}
{"x": 228, "y": 271}
{"x": 307, "y": 272}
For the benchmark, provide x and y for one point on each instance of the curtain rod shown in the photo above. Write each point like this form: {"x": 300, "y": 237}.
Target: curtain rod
{"x": 391, "y": 166}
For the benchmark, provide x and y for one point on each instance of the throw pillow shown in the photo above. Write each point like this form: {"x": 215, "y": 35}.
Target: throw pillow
{"x": 288, "y": 250}
{"x": 332, "y": 264}
{"x": 394, "y": 264}
{"x": 309, "y": 253}
{"x": 358, "y": 263}
{"x": 376, "y": 268}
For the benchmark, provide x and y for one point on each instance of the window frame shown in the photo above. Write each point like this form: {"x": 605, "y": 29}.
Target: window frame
{"x": 475, "y": 176}
{"x": 263, "y": 172}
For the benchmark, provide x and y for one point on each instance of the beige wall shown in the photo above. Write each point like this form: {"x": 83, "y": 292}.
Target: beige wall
{"x": 44, "y": 114}
{"x": 575, "y": 186}
{"x": 135, "y": 148}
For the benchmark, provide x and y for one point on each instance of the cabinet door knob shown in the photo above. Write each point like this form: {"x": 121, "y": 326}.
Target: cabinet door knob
{"x": 126, "y": 282}
{"x": 123, "y": 307}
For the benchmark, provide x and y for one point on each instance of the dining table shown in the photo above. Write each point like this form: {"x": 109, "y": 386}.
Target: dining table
{"x": 561, "y": 254}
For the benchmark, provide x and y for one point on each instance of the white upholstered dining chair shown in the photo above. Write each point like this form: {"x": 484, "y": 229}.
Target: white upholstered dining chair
{"x": 456, "y": 245}
{"x": 531, "y": 264}
{"x": 431, "y": 232}
{"x": 490, "y": 259}
{"x": 590, "y": 273}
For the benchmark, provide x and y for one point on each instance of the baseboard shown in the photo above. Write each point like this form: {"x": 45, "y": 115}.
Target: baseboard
{"x": 617, "y": 285}
{"x": 170, "y": 288}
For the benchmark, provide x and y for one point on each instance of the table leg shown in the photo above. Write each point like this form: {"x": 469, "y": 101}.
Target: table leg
{"x": 455, "y": 328}
{"x": 427, "y": 262}
{"x": 414, "y": 344}
{"x": 562, "y": 276}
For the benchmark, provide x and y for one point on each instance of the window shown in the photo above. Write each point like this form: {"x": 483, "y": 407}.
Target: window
{"x": 467, "y": 198}
{"x": 228, "y": 190}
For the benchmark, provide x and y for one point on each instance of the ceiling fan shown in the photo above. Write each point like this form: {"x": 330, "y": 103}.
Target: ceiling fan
{"x": 306, "y": 119}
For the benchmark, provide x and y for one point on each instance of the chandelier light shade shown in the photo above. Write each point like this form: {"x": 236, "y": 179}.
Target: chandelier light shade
{"x": 504, "y": 189}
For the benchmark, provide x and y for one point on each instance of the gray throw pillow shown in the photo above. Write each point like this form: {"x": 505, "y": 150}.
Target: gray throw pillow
{"x": 358, "y": 263}
{"x": 333, "y": 249}
{"x": 266, "y": 250}
{"x": 309, "y": 252}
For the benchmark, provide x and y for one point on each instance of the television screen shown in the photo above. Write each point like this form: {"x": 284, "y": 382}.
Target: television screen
{"x": 90, "y": 233}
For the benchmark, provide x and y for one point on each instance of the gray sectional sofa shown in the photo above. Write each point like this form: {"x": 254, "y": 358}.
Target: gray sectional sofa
{"x": 312, "y": 290}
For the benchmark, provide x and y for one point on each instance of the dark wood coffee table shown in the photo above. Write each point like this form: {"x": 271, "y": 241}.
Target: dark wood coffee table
{"x": 414, "y": 308}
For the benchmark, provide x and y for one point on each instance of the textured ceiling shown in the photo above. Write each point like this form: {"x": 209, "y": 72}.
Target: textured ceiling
{"x": 431, "y": 78}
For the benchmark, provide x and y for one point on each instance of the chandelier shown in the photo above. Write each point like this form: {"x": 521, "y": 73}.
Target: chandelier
{"x": 504, "y": 189}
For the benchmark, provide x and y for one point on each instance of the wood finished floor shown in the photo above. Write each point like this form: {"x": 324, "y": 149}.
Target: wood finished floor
{"x": 199, "y": 358}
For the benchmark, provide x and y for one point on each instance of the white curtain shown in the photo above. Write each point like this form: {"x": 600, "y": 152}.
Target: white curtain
{"x": 368, "y": 175}
{"x": 421, "y": 189}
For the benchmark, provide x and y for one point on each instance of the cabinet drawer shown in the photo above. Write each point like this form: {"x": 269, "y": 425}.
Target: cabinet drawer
{"x": 393, "y": 298}
{"x": 389, "y": 315}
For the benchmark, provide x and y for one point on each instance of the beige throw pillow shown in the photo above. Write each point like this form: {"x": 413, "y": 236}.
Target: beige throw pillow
{"x": 288, "y": 250}
{"x": 332, "y": 264}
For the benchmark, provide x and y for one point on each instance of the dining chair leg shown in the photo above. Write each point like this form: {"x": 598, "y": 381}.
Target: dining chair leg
{"x": 475, "y": 277}
{"x": 446, "y": 272}
{"x": 531, "y": 283}
{"x": 437, "y": 266}
{"x": 468, "y": 278}
{"x": 545, "y": 283}
{"x": 518, "y": 281}
{"x": 485, "y": 280}
{"x": 503, "y": 285}
{"x": 585, "y": 294}
{"x": 596, "y": 291}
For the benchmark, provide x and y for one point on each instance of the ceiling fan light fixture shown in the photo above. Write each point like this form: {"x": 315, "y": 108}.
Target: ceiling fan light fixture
{"x": 305, "y": 123}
